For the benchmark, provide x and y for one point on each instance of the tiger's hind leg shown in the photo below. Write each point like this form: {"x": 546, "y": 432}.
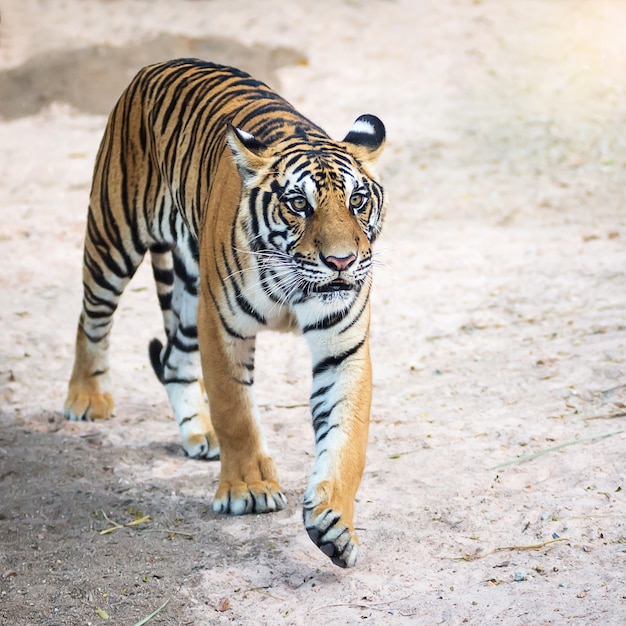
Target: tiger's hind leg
{"x": 107, "y": 269}
{"x": 177, "y": 364}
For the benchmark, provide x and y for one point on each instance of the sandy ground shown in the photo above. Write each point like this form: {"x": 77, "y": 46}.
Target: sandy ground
{"x": 499, "y": 325}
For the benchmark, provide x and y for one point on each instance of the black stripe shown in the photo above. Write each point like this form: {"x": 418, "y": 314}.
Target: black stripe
{"x": 242, "y": 301}
{"x": 187, "y": 419}
{"x": 160, "y": 248}
{"x": 194, "y": 248}
{"x": 319, "y": 437}
{"x": 247, "y": 308}
{"x": 334, "y": 361}
{"x": 177, "y": 343}
{"x": 321, "y": 391}
{"x": 320, "y": 417}
{"x": 165, "y": 301}
{"x": 327, "y": 322}
{"x": 179, "y": 381}
{"x": 357, "y": 317}
{"x": 95, "y": 300}
{"x": 233, "y": 245}
{"x": 165, "y": 277}
{"x": 190, "y": 281}
{"x": 189, "y": 332}
{"x": 93, "y": 338}
{"x": 103, "y": 249}
{"x": 229, "y": 330}
{"x": 98, "y": 277}
{"x": 96, "y": 315}
{"x": 329, "y": 512}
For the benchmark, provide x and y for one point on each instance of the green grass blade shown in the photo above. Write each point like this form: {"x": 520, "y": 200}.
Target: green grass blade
{"x": 149, "y": 617}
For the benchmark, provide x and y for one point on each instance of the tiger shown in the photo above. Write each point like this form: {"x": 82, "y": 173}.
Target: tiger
{"x": 254, "y": 219}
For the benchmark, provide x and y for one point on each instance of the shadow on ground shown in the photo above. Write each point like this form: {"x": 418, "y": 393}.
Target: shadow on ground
{"x": 91, "y": 79}
{"x": 60, "y": 490}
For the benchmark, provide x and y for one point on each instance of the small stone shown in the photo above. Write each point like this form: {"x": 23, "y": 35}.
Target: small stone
{"x": 519, "y": 576}
{"x": 563, "y": 585}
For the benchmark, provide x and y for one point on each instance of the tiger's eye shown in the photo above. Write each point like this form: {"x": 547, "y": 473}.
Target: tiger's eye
{"x": 299, "y": 203}
{"x": 357, "y": 200}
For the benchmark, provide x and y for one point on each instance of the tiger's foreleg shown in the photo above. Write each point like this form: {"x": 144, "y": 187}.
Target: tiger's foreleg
{"x": 177, "y": 364}
{"x": 248, "y": 477}
{"x": 340, "y": 406}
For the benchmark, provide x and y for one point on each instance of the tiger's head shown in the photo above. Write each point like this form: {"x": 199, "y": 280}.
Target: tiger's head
{"x": 311, "y": 210}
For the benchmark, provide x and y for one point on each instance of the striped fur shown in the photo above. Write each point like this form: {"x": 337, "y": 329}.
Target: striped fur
{"x": 254, "y": 219}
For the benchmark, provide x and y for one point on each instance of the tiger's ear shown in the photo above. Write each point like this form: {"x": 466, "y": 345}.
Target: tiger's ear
{"x": 249, "y": 153}
{"x": 366, "y": 139}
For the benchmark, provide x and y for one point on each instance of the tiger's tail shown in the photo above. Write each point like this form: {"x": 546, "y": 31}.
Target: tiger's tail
{"x": 155, "y": 349}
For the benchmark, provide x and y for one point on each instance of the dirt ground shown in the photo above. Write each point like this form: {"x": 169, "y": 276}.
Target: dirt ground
{"x": 495, "y": 490}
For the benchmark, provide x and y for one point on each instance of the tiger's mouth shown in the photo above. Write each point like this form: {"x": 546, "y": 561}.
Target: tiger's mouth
{"x": 334, "y": 286}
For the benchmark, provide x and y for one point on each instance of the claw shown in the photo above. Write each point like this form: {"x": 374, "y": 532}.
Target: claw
{"x": 332, "y": 537}
{"x": 242, "y": 499}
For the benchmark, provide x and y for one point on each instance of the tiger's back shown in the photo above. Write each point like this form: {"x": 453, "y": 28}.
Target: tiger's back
{"x": 254, "y": 219}
{"x": 169, "y": 129}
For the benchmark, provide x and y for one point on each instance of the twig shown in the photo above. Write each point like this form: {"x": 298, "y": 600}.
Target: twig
{"x": 117, "y": 526}
{"x": 141, "y": 520}
{"x": 167, "y": 530}
{"x": 534, "y": 546}
{"x": 374, "y": 606}
{"x": 149, "y": 617}
{"x": 530, "y": 457}
{"x": 397, "y": 455}
{"x": 606, "y": 416}
{"x": 291, "y": 406}
{"x": 262, "y": 591}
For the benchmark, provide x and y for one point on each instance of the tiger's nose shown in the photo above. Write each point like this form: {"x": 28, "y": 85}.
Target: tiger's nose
{"x": 338, "y": 263}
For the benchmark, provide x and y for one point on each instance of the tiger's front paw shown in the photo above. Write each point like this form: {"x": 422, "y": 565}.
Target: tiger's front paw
{"x": 240, "y": 498}
{"x": 332, "y": 534}
{"x": 248, "y": 484}
{"x": 85, "y": 406}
